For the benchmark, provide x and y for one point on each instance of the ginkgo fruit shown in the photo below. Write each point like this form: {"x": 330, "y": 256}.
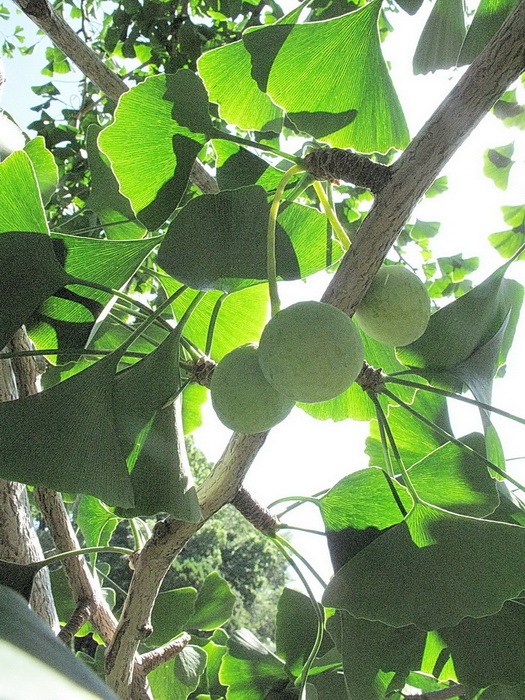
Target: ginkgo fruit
{"x": 242, "y": 397}
{"x": 396, "y": 308}
{"x": 311, "y": 351}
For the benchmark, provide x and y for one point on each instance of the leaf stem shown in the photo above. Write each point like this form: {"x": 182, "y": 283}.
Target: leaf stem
{"x": 452, "y": 395}
{"x": 261, "y": 147}
{"x": 382, "y": 419}
{"x": 332, "y": 216}
{"x": 452, "y": 439}
{"x": 275, "y": 303}
{"x": 303, "y": 678}
{"x": 86, "y": 550}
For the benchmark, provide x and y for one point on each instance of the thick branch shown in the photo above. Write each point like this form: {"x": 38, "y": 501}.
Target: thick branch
{"x": 501, "y": 63}
{"x": 169, "y": 537}
{"x": 91, "y": 65}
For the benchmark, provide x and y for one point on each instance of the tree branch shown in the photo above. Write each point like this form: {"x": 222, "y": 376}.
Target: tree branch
{"x": 499, "y": 64}
{"x": 42, "y": 13}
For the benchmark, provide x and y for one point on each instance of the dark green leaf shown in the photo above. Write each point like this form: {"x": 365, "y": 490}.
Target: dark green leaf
{"x": 489, "y": 17}
{"x": 19, "y": 577}
{"x": 432, "y": 570}
{"x": 214, "y": 604}
{"x": 151, "y": 437}
{"x": 509, "y": 110}
{"x": 369, "y": 648}
{"x": 441, "y": 39}
{"x": 309, "y": 70}
{"x": 33, "y": 658}
{"x": 491, "y": 649}
{"x": 31, "y": 273}
{"x": 46, "y": 170}
{"x": 296, "y": 629}
{"x": 170, "y": 614}
{"x": 458, "y": 329}
{"x": 238, "y": 167}
{"x": 73, "y": 445}
{"x": 154, "y": 141}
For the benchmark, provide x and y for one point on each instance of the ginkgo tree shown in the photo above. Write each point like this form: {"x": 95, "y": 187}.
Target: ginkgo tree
{"x": 143, "y": 238}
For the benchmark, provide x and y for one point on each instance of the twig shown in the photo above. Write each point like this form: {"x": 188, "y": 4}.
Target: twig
{"x": 152, "y": 659}
{"x": 256, "y": 514}
{"x": 79, "y": 616}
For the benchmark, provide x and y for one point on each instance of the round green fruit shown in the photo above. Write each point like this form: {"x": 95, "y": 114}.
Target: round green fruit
{"x": 311, "y": 351}
{"x": 396, "y": 308}
{"x": 242, "y": 398}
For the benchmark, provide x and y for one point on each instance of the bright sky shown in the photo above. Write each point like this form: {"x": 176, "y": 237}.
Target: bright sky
{"x": 302, "y": 455}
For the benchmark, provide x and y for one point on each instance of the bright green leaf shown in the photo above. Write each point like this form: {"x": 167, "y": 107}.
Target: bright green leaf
{"x": 104, "y": 198}
{"x": 18, "y": 183}
{"x": 46, "y": 169}
{"x": 321, "y": 74}
{"x": 497, "y": 163}
{"x": 96, "y": 522}
{"x": 154, "y": 140}
{"x": 176, "y": 679}
{"x": 170, "y": 614}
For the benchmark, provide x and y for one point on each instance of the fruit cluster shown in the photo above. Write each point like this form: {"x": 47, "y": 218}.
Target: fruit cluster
{"x": 312, "y": 352}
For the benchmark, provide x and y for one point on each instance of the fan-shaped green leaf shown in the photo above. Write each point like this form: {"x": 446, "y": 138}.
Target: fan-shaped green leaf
{"x": 296, "y": 629}
{"x": 226, "y": 74}
{"x": 46, "y": 170}
{"x": 497, "y": 163}
{"x": 214, "y": 604}
{"x": 170, "y": 614}
{"x": 491, "y": 649}
{"x": 455, "y": 331}
{"x": 177, "y": 679}
{"x": 73, "y": 445}
{"x": 96, "y": 522}
{"x": 489, "y": 17}
{"x": 18, "y": 183}
{"x": 441, "y": 39}
{"x": 331, "y": 78}
{"x": 249, "y": 669}
{"x": 160, "y": 126}
{"x": 105, "y": 198}
{"x": 31, "y": 273}
{"x": 432, "y": 570}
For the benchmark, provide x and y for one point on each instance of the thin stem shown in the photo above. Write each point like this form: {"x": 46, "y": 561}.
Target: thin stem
{"x": 303, "y": 678}
{"x": 87, "y": 550}
{"x": 262, "y": 147}
{"x": 332, "y": 216}
{"x": 304, "y": 561}
{"x": 284, "y": 526}
{"x": 275, "y": 303}
{"x": 381, "y": 418}
{"x": 69, "y": 351}
{"x": 452, "y": 439}
{"x": 298, "y": 500}
{"x": 452, "y": 395}
{"x": 211, "y": 324}
{"x": 120, "y": 295}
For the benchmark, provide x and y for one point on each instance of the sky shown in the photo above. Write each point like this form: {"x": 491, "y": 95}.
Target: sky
{"x": 303, "y": 456}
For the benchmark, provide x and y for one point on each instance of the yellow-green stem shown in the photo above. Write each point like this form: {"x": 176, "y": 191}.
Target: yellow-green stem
{"x": 275, "y": 303}
{"x": 332, "y": 216}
